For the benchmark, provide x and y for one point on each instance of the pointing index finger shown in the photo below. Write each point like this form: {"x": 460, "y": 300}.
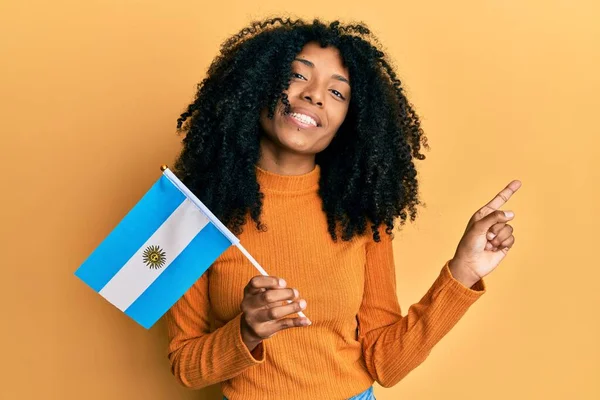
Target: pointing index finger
{"x": 502, "y": 197}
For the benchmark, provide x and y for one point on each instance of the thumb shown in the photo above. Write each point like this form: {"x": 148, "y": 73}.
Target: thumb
{"x": 484, "y": 224}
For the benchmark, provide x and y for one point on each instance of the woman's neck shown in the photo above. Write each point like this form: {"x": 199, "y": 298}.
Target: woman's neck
{"x": 287, "y": 164}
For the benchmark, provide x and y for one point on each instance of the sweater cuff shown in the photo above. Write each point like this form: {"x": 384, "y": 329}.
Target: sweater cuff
{"x": 243, "y": 355}
{"x": 471, "y": 293}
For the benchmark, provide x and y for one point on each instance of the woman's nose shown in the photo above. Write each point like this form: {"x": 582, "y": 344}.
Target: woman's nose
{"x": 313, "y": 93}
{"x": 309, "y": 98}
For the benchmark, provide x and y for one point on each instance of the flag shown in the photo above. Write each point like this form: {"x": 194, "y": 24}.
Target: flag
{"x": 156, "y": 252}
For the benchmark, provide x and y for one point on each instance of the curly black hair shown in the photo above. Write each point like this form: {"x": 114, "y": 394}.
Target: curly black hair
{"x": 367, "y": 173}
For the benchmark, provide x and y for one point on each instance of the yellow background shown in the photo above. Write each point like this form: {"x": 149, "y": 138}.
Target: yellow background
{"x": 91, "y": 90}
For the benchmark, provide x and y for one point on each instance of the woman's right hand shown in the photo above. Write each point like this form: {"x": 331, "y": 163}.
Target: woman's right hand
{"x": 262, "y": 309}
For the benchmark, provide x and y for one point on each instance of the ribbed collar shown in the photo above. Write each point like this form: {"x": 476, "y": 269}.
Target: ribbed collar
{"x": 272, "y": 182}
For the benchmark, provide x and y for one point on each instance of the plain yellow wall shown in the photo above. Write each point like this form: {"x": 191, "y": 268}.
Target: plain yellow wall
{"x": 89, "y": 96}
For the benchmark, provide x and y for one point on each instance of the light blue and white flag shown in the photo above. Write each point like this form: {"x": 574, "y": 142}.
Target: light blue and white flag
{"x": 157, "y": 251}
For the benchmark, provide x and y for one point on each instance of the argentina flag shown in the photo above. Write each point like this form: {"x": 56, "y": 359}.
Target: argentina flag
{"x": 157, "y": 251}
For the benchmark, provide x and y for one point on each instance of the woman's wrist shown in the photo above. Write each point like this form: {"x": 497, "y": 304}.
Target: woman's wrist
{"x": 247, "y": 338}
{"x": 251, "y": 344}
{"x": 462, "y": 274}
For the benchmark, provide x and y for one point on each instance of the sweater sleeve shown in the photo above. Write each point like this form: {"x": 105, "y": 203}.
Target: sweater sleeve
{"x": 393, "y": 344}
{"x": 198, "y": 357}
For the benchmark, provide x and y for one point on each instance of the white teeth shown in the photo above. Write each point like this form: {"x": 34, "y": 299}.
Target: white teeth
{"x": 304, "y": 118}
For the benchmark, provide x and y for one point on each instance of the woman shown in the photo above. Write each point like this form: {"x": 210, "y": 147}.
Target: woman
{"x": 304, "y": 128}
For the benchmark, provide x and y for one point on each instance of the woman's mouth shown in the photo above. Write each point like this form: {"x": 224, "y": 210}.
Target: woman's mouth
{"x": 301, "y": 120}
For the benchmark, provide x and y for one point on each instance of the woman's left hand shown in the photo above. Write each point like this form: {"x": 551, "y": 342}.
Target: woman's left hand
{"x": 486, "y": 240}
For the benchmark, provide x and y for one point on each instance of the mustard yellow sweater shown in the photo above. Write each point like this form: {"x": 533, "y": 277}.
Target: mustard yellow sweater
{"x": 358, "y": 334}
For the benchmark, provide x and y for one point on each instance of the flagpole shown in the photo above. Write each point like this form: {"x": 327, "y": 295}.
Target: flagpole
{"x": 232, "y": 238}
{"x": 192, "y": 197}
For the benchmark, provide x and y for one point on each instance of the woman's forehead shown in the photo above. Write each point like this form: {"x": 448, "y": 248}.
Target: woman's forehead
{"x": 315, "y": 49}
{"x": 318, "y": 57}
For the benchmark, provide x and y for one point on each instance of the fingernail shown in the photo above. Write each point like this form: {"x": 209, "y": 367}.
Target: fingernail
{"x": 491, "y": 235}
{"x": 288, "y": 301}
{"x": 295, "y": 292}
{"x": 302, "y": 303}
{"x": 281, "y": 283}
{"x": 509, "y": 214}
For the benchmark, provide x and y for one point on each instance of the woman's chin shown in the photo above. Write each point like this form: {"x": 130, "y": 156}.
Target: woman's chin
{"x": 297, "y": 144}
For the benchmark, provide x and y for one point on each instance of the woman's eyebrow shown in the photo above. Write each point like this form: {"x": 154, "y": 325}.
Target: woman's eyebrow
{"x": 310, "y": 64}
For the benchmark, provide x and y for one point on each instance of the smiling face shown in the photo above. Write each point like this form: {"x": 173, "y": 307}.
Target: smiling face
{"x": 319, "y": 95}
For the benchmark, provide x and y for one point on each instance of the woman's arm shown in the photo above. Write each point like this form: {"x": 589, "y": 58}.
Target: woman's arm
{"x": 393, "y": 344}
{"x": 200, "y": 358}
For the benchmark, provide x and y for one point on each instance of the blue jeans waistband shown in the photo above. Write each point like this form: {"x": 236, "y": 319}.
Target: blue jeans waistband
{"x": 366, "y": 395}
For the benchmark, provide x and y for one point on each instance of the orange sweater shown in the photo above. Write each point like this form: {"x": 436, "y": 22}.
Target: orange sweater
{"x": 358, "y": 334}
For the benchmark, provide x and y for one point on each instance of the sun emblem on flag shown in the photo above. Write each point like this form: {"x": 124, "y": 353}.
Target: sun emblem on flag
{"x": 154, "y": 257}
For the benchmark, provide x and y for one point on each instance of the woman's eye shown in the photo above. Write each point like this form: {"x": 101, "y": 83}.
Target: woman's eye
{"x": 296, "y": 75}
{"x": 338, "y": 94}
